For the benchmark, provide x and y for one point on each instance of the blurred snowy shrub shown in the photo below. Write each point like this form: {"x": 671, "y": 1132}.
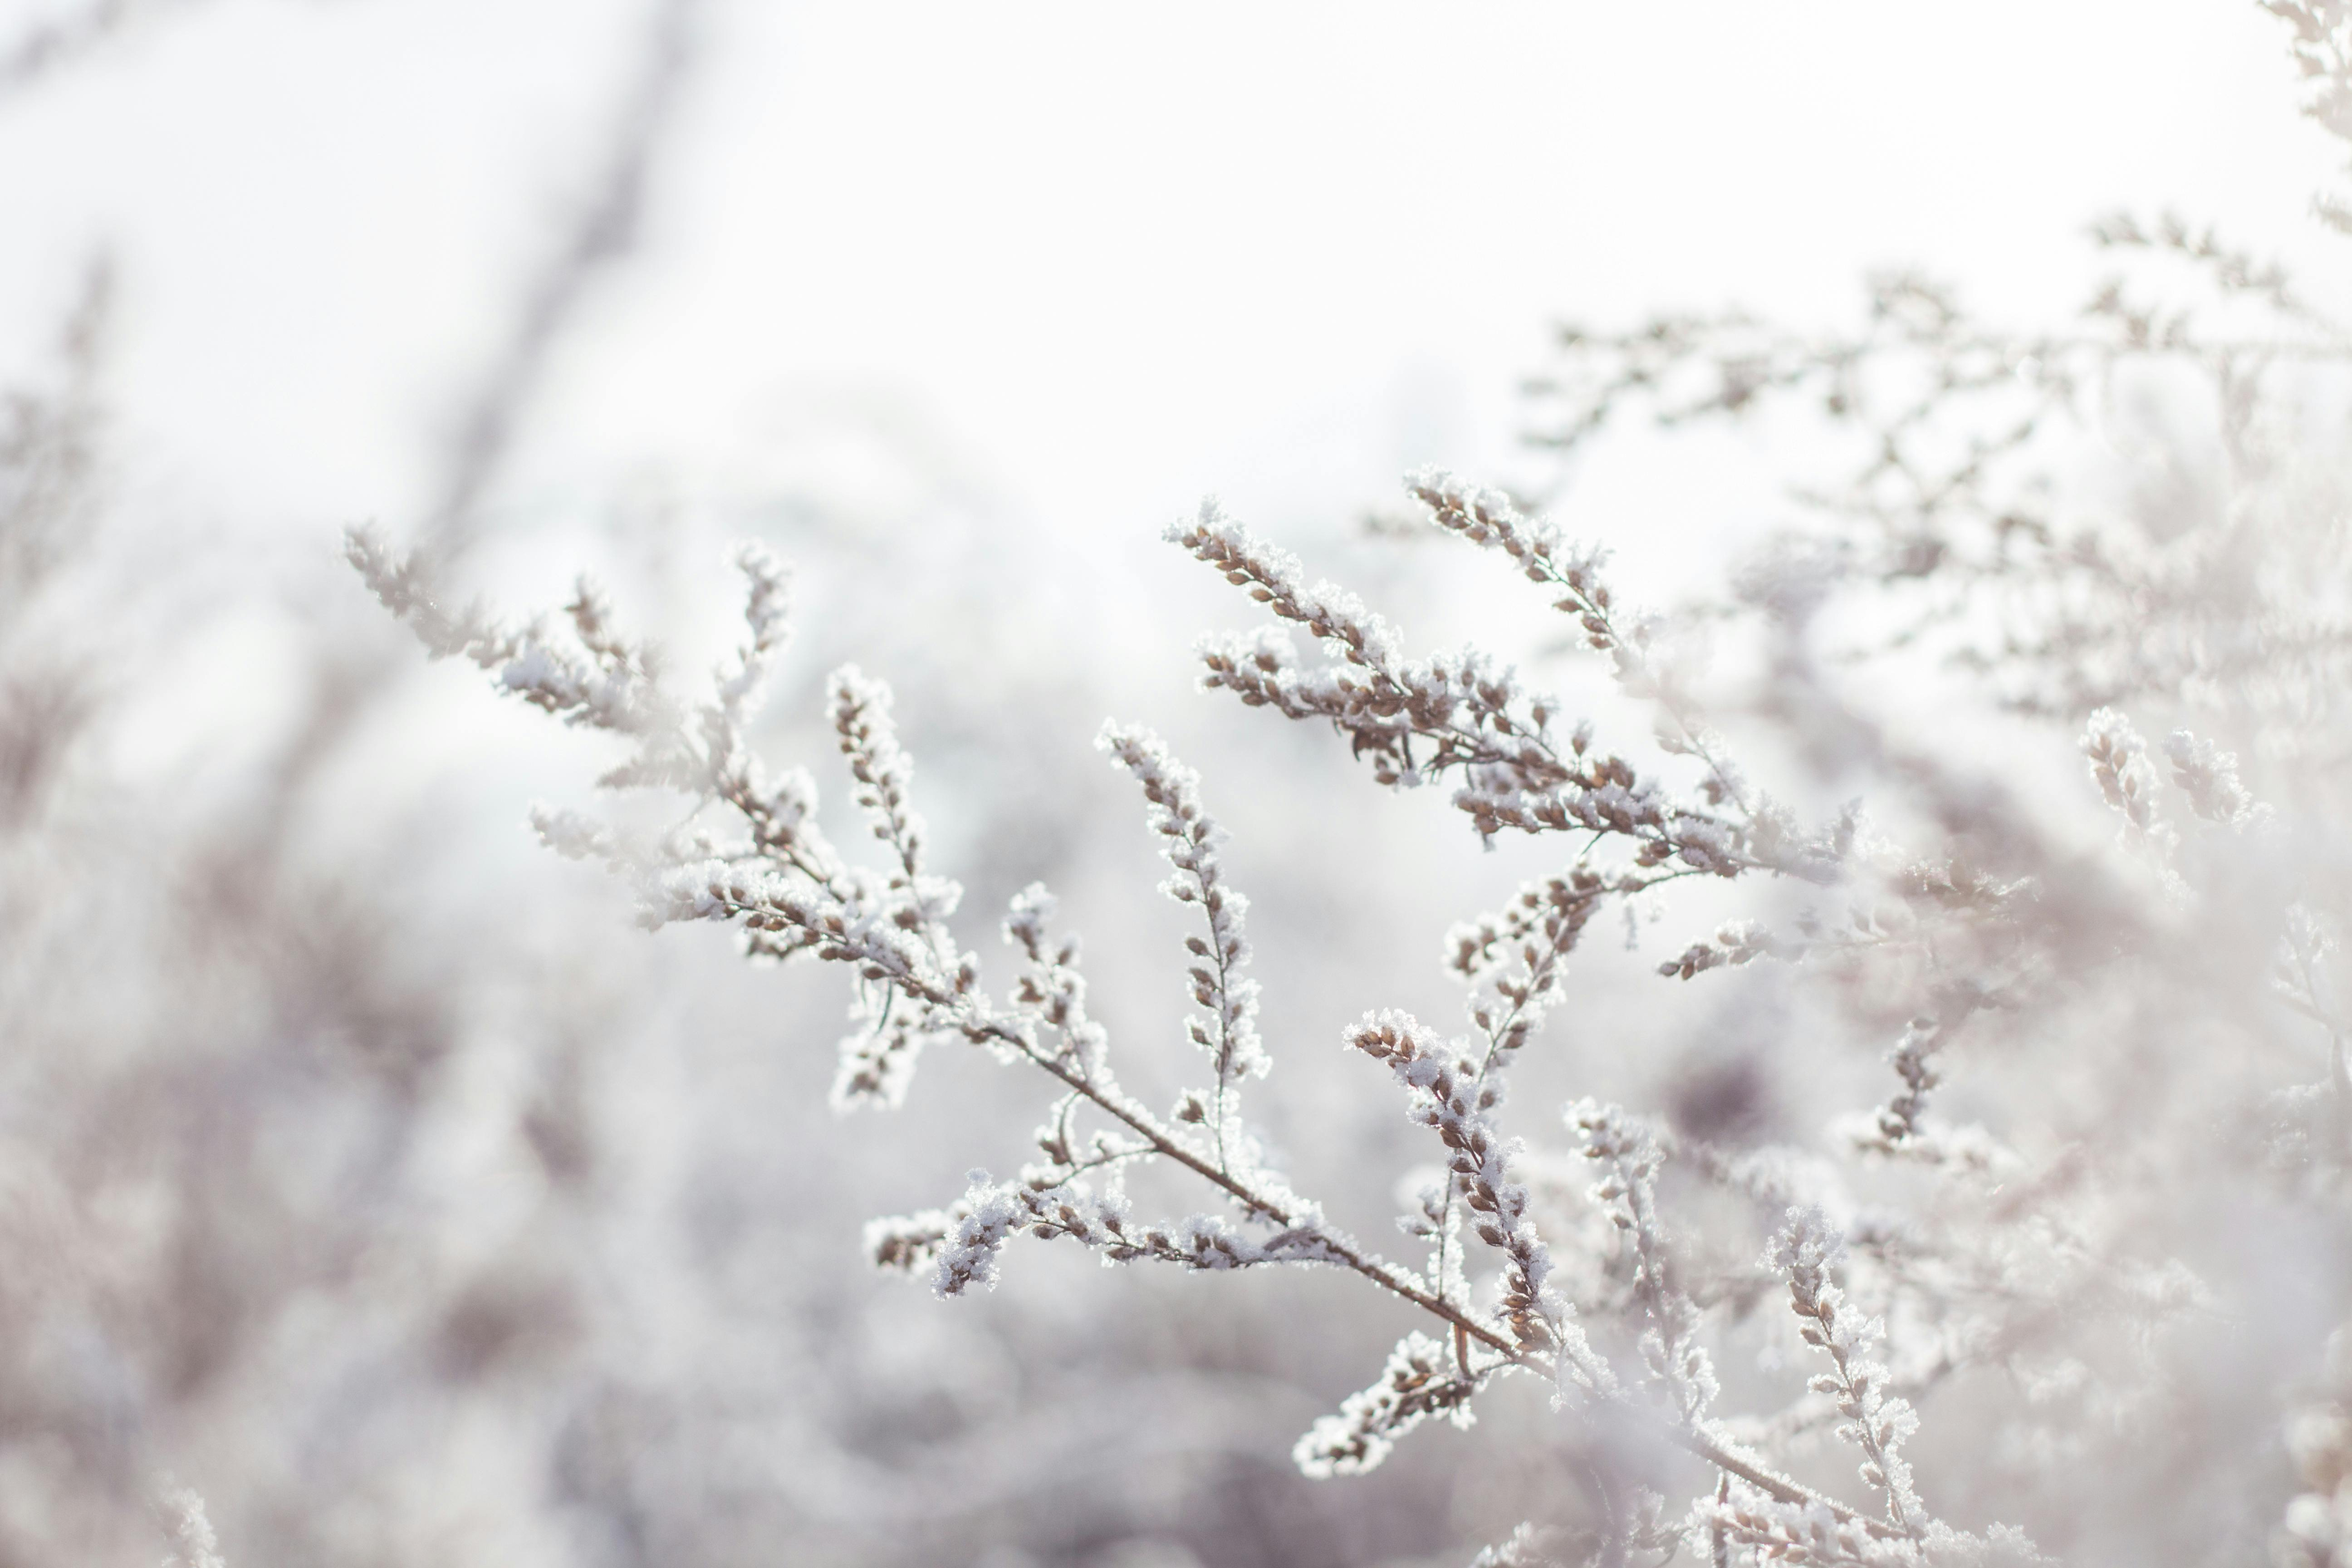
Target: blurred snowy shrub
{"x": 1970, "y": 1185}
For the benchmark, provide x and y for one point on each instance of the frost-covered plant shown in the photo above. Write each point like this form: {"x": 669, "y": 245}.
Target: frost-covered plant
{"x": 791, "y": 892}
{"x": 2119, "y": 1107}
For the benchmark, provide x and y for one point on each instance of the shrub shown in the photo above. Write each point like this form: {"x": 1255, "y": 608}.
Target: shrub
{"x": 2094, "y": 1218}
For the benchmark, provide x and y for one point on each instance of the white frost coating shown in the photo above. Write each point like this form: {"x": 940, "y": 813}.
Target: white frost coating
{"x": 1514, "y": 762}
{"x": 968, "y": 1257}
{"x": 875, "y": 1065}
{"x": 1326, "y": 609}
{"x": 1226, "y": 1028}
{"x": 1804, "y": 1250}
{"x": 1447, "y": 1094}
{"x": 573, "y": 836}
{"x": 194, "y": 1543}
{"x": 767, "y": 617}
{"x": 2209, "y": 778}
{"x": 2119, "y": 765}
{"x": 1632, "y": 1154}
{"x": 1417, "y": 1383}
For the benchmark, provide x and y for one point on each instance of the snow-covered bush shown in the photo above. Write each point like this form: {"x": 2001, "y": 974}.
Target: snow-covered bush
{"x": 2043, "y": 1222}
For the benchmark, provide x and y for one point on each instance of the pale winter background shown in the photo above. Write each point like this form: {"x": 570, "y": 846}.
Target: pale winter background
{"x": 367, "y": 1175}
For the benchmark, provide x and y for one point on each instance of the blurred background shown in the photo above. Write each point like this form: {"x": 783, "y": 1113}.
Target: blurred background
{"x": 361, "y": 1166}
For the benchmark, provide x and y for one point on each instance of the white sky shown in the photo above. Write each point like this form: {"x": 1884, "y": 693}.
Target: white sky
{"x": 1111, "y": 256}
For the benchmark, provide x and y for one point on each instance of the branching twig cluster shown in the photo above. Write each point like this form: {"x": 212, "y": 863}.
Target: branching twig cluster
{"x": 1917, "y": 1252}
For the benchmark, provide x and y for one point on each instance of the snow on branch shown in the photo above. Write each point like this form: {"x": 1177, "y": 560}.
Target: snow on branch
{"x": 1226, "y": 1028}
{"x": 1466, "y": 717}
